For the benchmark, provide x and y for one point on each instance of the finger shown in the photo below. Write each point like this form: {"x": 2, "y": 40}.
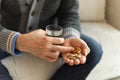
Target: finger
{"x": 55, "y": 40}
{"x": 66, "y": 59}
{"x": 62, "y": 49}
{"x": 84, "y": 44}
{"x": 50, "y": 59}
{"x": 85, "y": 51}
{"x": 77, "y": 61}
{"x": 82, "y": 59}
{"x": 71, "y": 62}
{"x": 53, "y": 54}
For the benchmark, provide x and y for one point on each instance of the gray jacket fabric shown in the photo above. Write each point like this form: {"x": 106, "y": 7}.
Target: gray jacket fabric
{"x": 15, "y": 15}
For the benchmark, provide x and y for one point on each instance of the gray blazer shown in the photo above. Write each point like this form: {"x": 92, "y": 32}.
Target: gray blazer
{"x": 15, "y": 15}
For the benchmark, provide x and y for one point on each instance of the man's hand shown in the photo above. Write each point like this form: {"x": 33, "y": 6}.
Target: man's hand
{"x": 42, "y": 46}
{"x": 75, "y": 42}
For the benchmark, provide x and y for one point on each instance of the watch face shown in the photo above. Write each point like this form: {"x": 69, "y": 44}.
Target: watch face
{"x": 54, "y": 30}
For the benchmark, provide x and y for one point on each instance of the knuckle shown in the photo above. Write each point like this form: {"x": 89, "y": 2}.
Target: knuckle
{"x": 56, "y": 56}
{"x": 60, "y": 48}
{"x": 56, "y": 39}
{"x": 40, "y": 30}
{"x": 45, "y": 39}
{"x": 48, "y": 47}
{"x": 59, "y": 40}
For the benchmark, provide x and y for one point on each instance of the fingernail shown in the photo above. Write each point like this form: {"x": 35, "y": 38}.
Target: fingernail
{"x": 72, "y": 48}
{"x": 62, "y": 39}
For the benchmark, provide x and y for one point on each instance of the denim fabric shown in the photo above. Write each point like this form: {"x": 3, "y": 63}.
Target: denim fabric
{"x": 4, "y": 74}
{"x": 80, "y": 72}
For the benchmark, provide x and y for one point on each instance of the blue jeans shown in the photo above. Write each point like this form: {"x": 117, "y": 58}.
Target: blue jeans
{"x": 4, "y": 74}
{"x": 66, "y": 72}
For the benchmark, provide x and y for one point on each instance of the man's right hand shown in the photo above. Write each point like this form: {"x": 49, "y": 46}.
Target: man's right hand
{"x": 42, "y": 46}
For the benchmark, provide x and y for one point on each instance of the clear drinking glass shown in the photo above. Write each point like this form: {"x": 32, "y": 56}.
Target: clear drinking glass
{"x": 54, "y": 30}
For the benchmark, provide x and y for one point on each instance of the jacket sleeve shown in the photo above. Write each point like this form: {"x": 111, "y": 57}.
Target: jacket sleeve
{"x": 7, "y": 38}
{"x": 1, "y": 28}
{"x": 68, "y": 17}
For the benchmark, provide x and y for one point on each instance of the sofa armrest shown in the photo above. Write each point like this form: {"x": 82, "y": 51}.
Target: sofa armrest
{"x": 113, "y": 13}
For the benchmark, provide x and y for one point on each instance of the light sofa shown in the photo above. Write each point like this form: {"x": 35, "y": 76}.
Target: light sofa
{"x": 100, "y": 19}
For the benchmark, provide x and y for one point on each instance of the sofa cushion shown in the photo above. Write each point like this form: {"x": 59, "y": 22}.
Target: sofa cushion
{"x": 92, "y": 10}
{"x": 109, "y": 38}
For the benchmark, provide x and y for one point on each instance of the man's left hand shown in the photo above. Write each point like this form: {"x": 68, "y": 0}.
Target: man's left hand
{"x": 76, "y": 42}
